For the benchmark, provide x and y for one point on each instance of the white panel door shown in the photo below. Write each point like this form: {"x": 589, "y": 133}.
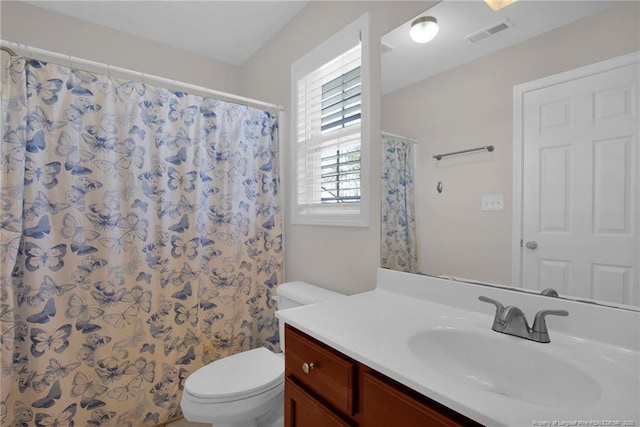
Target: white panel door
{"x": 580, "y": 191}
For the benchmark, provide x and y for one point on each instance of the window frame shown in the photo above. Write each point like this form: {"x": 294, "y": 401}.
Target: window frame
{"x": 353, "y": 214}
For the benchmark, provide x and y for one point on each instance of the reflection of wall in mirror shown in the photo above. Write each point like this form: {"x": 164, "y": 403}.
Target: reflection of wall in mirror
{"x": 472, "y": 105}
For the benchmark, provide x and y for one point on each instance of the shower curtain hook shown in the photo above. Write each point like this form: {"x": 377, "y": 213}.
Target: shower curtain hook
{"x": 70, "y": 61}
{"x": 142, "y": 77}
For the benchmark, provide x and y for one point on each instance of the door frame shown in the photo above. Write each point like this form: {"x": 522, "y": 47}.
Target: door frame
{"x": 519, "y": 91}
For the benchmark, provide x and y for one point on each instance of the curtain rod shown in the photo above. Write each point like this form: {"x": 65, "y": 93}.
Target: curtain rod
{"x": 393, "y": 135}
{"x": 72, "y": 61}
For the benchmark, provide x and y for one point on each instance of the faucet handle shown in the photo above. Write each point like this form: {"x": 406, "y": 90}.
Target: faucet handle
{"x": 499, "y": 308}
{"x": 539, "y": 328}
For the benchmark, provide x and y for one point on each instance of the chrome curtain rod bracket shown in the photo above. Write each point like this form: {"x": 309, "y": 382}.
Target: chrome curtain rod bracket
{"x": 11, "y": 52}
{"x": 489, "y": 148}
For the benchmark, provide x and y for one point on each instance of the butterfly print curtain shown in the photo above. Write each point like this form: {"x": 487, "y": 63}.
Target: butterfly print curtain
{"x": 399, "y": 247}
{"x": 141, "y": 239}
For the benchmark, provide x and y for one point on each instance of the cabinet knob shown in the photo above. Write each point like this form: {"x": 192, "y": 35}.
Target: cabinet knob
{"x": 307, "y": 367}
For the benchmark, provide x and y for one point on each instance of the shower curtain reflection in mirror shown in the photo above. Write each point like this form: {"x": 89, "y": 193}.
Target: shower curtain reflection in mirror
{"x": 141, "y": 239}
{"x": 399, "y": 248}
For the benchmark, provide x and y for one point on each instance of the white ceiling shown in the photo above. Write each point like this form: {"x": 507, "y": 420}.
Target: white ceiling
{"x": 232, "y": 31}
{"x": 227, "y": 31}
{"x": 410, "y": 62}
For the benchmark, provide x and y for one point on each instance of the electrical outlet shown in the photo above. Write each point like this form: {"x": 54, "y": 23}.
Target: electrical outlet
{"x": 492, "y": 202}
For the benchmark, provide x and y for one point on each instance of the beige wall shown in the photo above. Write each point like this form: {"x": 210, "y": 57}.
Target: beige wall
{"x": 340, "y": 258}
{"x": 34, "y": 26}
{"x": 471, "y": 106}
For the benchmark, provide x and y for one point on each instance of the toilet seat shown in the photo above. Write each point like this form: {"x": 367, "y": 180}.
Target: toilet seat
{"x": 236, "y": 377}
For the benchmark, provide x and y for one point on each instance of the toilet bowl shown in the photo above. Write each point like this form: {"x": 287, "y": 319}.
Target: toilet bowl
{"x": 239, "y": 390}
{"x": 247, "y": 389}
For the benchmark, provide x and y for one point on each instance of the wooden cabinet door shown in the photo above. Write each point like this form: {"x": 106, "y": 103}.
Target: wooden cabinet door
{"x": 302, "y": 410}
{"x": 385, "y": 405}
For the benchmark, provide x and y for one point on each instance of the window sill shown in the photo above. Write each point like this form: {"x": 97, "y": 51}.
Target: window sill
{"x": 331, "y": 219}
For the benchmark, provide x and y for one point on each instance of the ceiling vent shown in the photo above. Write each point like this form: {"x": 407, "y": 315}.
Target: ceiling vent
{"x": 385, "y": 48}
{"x": 489, "y": 31}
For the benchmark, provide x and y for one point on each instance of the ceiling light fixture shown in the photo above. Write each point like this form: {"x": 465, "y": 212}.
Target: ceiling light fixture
{"x": 424, "y": 29}
{"x": 498, "y": 4}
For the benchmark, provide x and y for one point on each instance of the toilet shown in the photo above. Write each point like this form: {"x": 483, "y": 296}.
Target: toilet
{"x": 247, "y": 389}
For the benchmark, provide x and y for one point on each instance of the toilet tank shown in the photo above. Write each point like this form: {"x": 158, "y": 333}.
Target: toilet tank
{"x": 297, "y": 294}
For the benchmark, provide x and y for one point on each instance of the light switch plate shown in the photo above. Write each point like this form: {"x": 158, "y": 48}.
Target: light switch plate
{"x": 493, "y": 202}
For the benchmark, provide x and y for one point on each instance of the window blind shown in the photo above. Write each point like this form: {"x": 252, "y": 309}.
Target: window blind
{"x": 328, "y": 131}
{"x": 341, "y": 101}
{"x": 341, "y": 176}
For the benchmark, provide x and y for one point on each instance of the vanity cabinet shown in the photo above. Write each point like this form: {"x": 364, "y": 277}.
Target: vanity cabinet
{"x": 325, "y": 388}
{"x": 321, "y": 370}
{"x": 302, "y": 409}
{"x": 387, "y": 404}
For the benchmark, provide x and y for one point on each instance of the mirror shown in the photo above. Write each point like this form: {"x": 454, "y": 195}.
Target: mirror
{"x": 476, "y": 218}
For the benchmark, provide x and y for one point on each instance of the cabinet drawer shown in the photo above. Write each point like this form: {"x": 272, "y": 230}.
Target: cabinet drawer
{"x": 302, "y": 410}
{"x": 329, "y": 374}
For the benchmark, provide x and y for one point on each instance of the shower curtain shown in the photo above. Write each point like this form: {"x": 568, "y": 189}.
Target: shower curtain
{"x": 141, "y": 239}
{"x": 399, "y": 247}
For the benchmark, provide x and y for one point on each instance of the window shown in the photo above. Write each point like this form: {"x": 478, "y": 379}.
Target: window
{"x": 329, "y": 159}
{"x": 341, "y": 177}
{"x": 341, "y": 101}
{"x": 341, "y": 107}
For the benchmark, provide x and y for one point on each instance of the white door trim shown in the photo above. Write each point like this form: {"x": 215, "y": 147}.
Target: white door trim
{"x": 519, "y": 91}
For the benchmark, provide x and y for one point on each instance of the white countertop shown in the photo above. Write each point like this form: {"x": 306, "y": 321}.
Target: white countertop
{"x": 375, "y": 327}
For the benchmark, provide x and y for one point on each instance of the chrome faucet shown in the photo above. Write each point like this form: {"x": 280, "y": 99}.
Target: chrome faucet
{"x": 512, "y": 321}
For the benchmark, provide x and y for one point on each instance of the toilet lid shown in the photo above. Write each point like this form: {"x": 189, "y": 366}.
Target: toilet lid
{"x": 238, "y": 376}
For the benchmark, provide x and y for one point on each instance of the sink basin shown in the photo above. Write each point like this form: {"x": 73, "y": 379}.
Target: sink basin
{"x": 505, "y": 365}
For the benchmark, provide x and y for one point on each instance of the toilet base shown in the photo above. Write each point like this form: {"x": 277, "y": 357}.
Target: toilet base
{"x": 245, "y": 424}
{"x": 259, "y": 411}
{"x": 274, "y": 418}
{"x": 279, "y": 422}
